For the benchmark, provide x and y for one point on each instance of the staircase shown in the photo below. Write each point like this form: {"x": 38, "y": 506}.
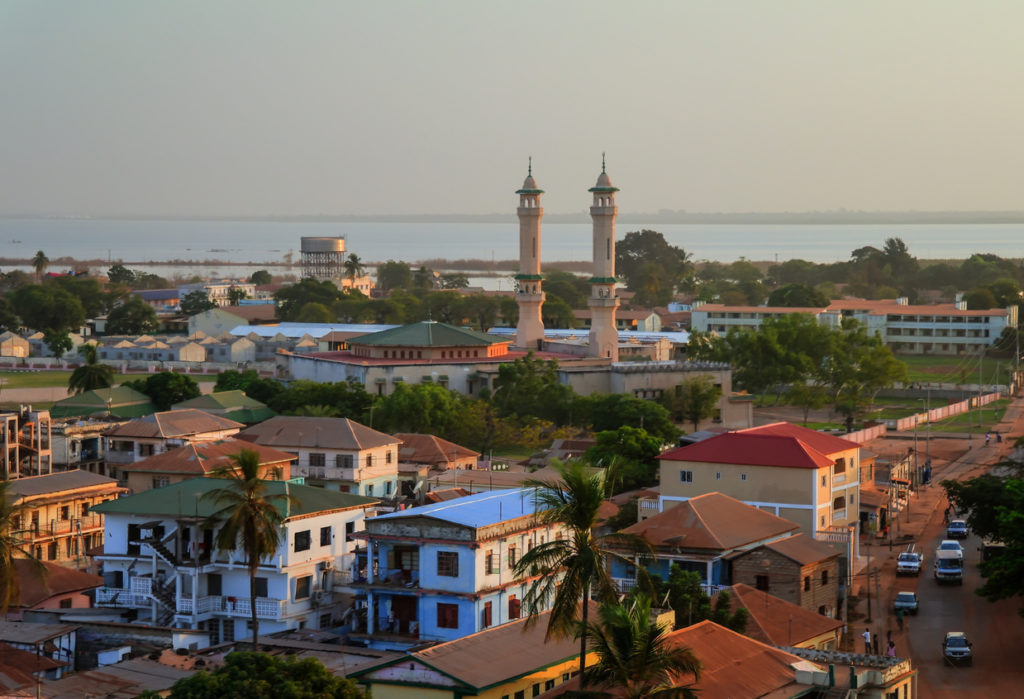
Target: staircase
{"x": 164, "y": 594}
{"x": 162, "y": 551}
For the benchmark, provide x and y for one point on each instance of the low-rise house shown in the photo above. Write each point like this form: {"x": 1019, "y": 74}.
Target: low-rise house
{"x": 512, "y": 660}
{"x": 160, "y": 432}
{"x": 218, "y": 290}
{"x": 159, "y": 559}
{"x": 439, "y": 454}
{"x": 12, "y": 345}
{"x": 702, "y": 535}
{"x": 201, "y": 460}
{"x": 809, "y": 477}
{"x": 220, "y": 320}
{"x": 797, "y": 569}
{"x": 116, "y": 402}
{"x": 57, "y": 521}
{"x": 444, "y": 571}
{"x": 775, "y": 621}
{"x": 233, "y": 405}
{"x": 53, "y": 641}
{"x": 158, "y": 299}
{"x": 50, "y": 587}
{"x": 333, "y": 452}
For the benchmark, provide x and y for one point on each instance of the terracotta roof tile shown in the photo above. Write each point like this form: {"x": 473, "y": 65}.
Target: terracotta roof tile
{"x": 776, "y": 621}
{"x": 57, "y": 580}
{"x": 174, "y": 423}
{"x": 779, "y": 444}
{"x": 206, "y": 457}
{"x": 803, "y": 549}
{"x": 291, "y": 432}
{"x": 429, "y": 449}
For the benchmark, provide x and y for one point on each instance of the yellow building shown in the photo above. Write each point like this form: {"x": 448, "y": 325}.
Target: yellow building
{"x": 502, "y": 662}
{"x": 807, "y": 477}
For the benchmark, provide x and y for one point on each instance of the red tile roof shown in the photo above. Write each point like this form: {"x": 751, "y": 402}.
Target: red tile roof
{"x": 803, "y": 549}
{"x": 713, "y": 522}
{"x": 57, "y": 580}
{"x": 430, "y": 449}
{"x": 776, "y": 621}
{"x": 779, "y": 444}
{"x": 207, "y": 457}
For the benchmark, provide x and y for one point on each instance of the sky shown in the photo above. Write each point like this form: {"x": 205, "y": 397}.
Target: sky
{"x": 256, "y": 108}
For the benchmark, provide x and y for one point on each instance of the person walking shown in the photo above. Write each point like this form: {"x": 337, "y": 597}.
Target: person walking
{"x": 867, "y": 641}
{"x": 988, "y": 437}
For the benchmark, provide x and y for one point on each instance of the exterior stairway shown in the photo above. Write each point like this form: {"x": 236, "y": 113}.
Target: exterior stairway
{"x": 164, "y": 594}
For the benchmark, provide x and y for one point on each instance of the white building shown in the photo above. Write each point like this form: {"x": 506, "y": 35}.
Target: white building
{"x": 159, "y": 559}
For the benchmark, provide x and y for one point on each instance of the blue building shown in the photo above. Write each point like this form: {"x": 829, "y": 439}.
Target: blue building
{"x": 444, "y": 571}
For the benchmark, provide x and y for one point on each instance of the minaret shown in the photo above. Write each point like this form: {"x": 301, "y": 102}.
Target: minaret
{"x": 529, "y": 296}
{"x": 604, "y": 337}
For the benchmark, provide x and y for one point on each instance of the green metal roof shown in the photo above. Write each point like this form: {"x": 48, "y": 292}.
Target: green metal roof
{"x": 427, "y": 333}
{"x": 234, "y": 405}
{"x": 122, "y": 401}
{"x": 185, "y": 499}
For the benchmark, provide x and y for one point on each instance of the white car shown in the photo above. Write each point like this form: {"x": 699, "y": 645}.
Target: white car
{"x": 909, "y": 563}
{"x": 950, "y": 545}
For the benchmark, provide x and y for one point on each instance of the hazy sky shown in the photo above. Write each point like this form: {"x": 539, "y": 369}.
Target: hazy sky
{"x": 250, "y": 107}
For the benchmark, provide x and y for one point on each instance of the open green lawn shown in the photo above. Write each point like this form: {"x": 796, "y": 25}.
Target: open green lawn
{"x": 955, "y": 370}
{"x": 49, "y": 379}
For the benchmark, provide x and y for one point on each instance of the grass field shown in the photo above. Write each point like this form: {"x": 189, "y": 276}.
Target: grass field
{"x": 955, "y": 370}
{"x": 50, "y": 379}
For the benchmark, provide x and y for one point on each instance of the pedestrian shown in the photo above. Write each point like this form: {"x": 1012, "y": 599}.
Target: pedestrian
{"x": 988, "y": 436}
{"x": 999, "y": 437}
{"x": 874, "y": 644}
{"x": 867, "y": 641}
{"x": 890, "y": 652}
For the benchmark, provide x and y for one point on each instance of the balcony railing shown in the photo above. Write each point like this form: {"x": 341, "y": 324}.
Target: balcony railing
{"x": 138, "y": 595}
{"x": 65, "y": 526}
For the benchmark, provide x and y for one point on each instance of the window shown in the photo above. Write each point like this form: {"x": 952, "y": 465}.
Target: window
{"x": 350, "y": 529}
{"x": 521, "y": 694}
{"x": 512, "y": 556}
{"x": 807, "y": 583}
{"x": 316, "y": 459}
{"x": 303, "y": 540}
{"x": 302, "y": 586}
{"x": 822, "y": 611}
{"x": 491, "y": 564}
{"x": 513, "y": 607}
{"x": 447, "y": 616}
{"x": 65, "y": 513}
{"x": 325, "y": 621}
{"x": 145, "y": 450}
{"x": 387, "y": 457}
{"x": 686, "y": 476}
{"x": 213, "y": 584}
{"x": 161, "y": 482}
{"x": 369, "y": 489}
{"x": 448, "y": 564}
{"x": 536, "y": 689}
{"x": 485, "y": 617}
{"x": 851, "y": 499}
{"x": 325, "y": 536}
{"x": 85, "y": 509}
{"x": 761, "y": 582}
{"x": 261, "y": 587}
{"x": 823, "y": 481}
{"x": 550, "y": 684}
{"x": 65, "y": 603}
{"x": 718, "y": 476}
{"x": 839, "y": 503}
{"x": 743, "y": 476}
{"x": 369, "y": 460}
{"x": 840, "y": 466}
{"x": 343, "y": 461}
{"x": 824, "y": 577}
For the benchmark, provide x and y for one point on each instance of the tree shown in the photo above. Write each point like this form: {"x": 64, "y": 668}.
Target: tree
{"x": 235, "y": 295}
{"x": 195, "y": 302}
{"x": 651, "y": 267}
{"x": 685, "y": 593}
{"x": 694, "y": 399}
{"x": 12, "y": 545}
{"x": 569, "y": 571}
{"x": 314, "y": 312}
{"x": 58, "y": 341}
{"x": 47, "y": 307}
{"x": 349, "y": 398}
{"x": 39, "y": 263}
{"x": 421, "y": 408}
{"x": 556, "y": 313}
{"x": 166, "y": 388}
{"x": 454, "y": 280}
{"x": 353, "y": 267}
{"x": 797, "y": 296}
{"x": 264, "y": 676}
{"x": 635, "y": 658}
{"x": 610, "y": 411}
{"x": 8, "y": 318}
{"x": 133, "y": 317}
{"x": 394, "y": 275}
{"x": 292, "y": 299}
{"x": 261, "y": 277}
{"x": 530, "y": 386}
{"x": 119, "y": 274}
{"x": 633, "y": 452}
{"x": 994, "y": 503}
{"x": 91, "y": 375}
{"x": 980, "y": 299}
{"x": 249, "y": 517}
{"x": 572, "y": 289}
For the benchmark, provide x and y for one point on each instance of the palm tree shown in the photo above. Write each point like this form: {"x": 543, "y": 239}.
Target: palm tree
{"x": 12, "y": 547}
{"x": 92, "y": 374}
{"x": 39, "y": 263}
{"x": 569, "y": 571}
{"x": 635, "y": 657}
{"x": 249, "y": 517}
{"x": 354, "y": 267}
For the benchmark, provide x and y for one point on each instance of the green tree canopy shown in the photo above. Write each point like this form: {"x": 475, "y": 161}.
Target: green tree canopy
{"x": 423, "y": 408}
{"x": 261, "y": 277}
{"x": 40, "y": 262}
{"x": 292, "y": 299}
{"x": 694, "y": 399}
{"x": 119, "y": 274}
{"x": 92, "y": 374}
{"x": 48, "y": 307}
{"x": 166, "y": 388}
{"x": 195, "y": 302}
{"x": 394, "y": 275}
{"x": 651, "y": 267}
{"x": 797, "y": 296}
{"x": 349, "y": 397}
{"x": 263, "y": 676}
{"x": 634, "y": 453}
{"x": 133, "y": 317}
{"x": 610, "y": 411}
{"x": 530, "y": 386}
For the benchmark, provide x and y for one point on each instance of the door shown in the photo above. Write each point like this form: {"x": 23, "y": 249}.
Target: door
{"x": 405, "y": 610}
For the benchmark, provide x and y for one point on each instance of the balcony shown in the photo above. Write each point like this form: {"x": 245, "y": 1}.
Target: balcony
{"x": 56, "y": 527}
{"x": 240, "y": 607}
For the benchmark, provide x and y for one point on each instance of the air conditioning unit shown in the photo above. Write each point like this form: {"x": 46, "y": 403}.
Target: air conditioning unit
{"x": 325, "y": 565}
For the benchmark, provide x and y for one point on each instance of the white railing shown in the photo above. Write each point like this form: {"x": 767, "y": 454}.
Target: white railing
{"x": 624, "y": 585}
{"x": 141, "y": 586}
{"x": 266, "y": 608}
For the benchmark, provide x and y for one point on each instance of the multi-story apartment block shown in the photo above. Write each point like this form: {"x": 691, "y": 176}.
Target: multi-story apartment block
{"x": 944, "y": 328}
{"x": 80, "y": 444}
{"x": 808, "y": 477}
{"x": 218, "y": 290}
{"x": 26, "y": 443}
{"x": 443, "y": 571}
{"x": 334, "y": 452}
{"x": 160, "y": 432}
{"x": 159, "y": 559}
{"x": 57, "y": 521}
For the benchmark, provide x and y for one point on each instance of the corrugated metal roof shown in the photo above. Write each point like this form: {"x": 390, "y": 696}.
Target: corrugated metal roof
{"x": 803, "y": 549}
{"x": 315, "y": 330}
{"x": 292, "y": 432}
{"x": 206, "y": 457}
{"x": 480, "y": 510}
{"x": 58, "y": 482}
{"x": 174, "y": 423}
{"x": 776, "y": 621}
{"x": 427, "y": 333}
{"x": 779, "y": 444}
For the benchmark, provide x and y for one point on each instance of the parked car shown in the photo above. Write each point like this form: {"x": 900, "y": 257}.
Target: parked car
{"x": 951, "y": 545}
{"x": 909, "y": 563}
{"x": 907, "y": 601}
{"x": 957, "y": 529}
{"x": 957, "y": 649}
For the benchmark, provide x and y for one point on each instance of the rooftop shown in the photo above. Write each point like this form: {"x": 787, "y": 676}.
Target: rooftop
{"x": 56, "y": 580}
{"x": 290, "y": 432}
{"x": 778, "y": 622}
{"x": 174, "y": 423}
{"x": 803, "y": 549}
{"x": 428, "y": 448}
{"x": 427, "y": 333}
{"x": 778, "y": 444}
{"x": 479, "y": 510}
{"x": 206, "y": 457}
{"x": 189, "y": 499}
{"x": 58, "y": 483}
